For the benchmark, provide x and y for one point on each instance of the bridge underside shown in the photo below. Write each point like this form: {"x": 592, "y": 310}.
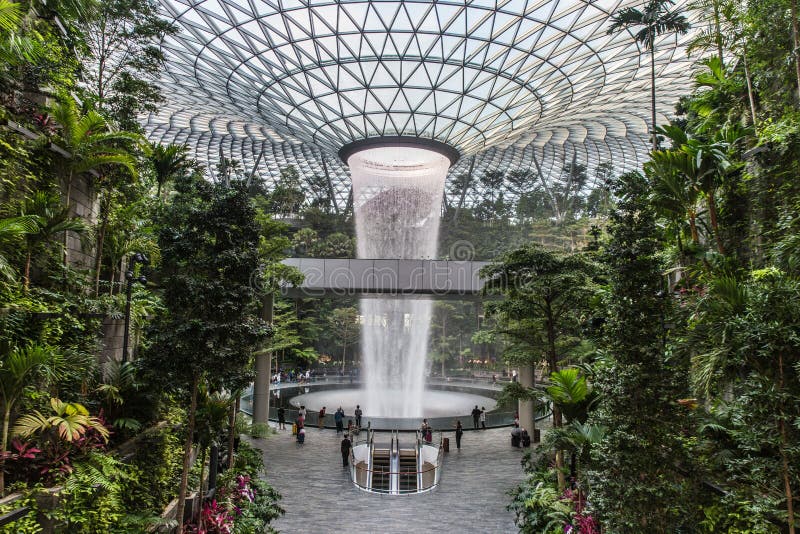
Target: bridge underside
{"x": 440, "y": 279}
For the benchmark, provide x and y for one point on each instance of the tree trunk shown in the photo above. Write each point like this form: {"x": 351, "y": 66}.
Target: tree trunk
{"x": 4, "y": 446}
{"x": 785, "y": 471}
{"x": 653, "y": 91}
{"x": 712, "y": 217}
{"x": 26, "y": 277}
{"x": 344, "y": 354}
{"x": 69, "y": 194}
{"x": 232, "y": 431}
{"x": 467, "y": 181}
{"x": 749, "y": 80}
{"x": 796, "y": 41}
{"x": 101, "y": 235}
{"x": 718, "y": 33}
{"x": 202, "y": 488}
{"x": 693, "y": 229}
{"x": 187, "y": 454}
{"x": 552, "y": 362}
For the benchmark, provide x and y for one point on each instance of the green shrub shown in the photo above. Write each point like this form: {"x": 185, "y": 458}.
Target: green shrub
{"x": 157, "y": 464}
{"x": 249, "y": 460}
{"x": 26, "y": 524}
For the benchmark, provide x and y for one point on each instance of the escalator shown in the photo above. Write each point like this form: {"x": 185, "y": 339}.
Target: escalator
{"x": 381, "y": 468}
{"x": 408, "y": 471}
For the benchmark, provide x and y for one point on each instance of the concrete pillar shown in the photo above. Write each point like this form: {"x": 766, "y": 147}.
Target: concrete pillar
{"x": 526, "y": 408}
{"x": 263, "y": 368}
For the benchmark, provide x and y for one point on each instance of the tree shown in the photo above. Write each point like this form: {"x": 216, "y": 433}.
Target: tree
{"x": 11, "y": 229}
{"x": 343, "y": 323}
{"x": 653, "y": 19}
{"x": 304, "y": 241}
{"x": 745, "y": 349}
{"x": 442, "y": 339}
{"x": 288, "y": 196}
{"x": 693, "y": 167}
{"x": 569, "y": 390}
{"x": 90, "y": 145}
{"x": 209, "y": 240}
{"x": 632, "y": 473}
{"x": 336, "y": 245}
{"x": 168, "y": 161}
{"x": 545, "y": 293}
{"x": 16, "y": 46}
{"x": 568, "y": 190}
{"x": 20, "y": 367}
{"x": 123, "y": 38}
{"x": 51, "y": 219}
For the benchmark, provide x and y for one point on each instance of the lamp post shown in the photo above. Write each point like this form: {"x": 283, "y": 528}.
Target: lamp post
{"x": 131, "y": 278}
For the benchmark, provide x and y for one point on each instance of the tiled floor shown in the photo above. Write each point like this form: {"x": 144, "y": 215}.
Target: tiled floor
{"x": 319, "y": 497}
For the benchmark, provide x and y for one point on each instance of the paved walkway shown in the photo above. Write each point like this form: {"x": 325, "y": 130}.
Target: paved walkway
{"x": 319, "y": 498}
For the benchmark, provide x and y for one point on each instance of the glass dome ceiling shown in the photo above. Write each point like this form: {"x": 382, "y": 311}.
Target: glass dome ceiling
{"x": 519, "y": 83}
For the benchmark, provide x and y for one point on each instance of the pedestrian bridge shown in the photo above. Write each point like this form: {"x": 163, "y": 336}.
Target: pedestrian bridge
{"x": 402, "y": 278}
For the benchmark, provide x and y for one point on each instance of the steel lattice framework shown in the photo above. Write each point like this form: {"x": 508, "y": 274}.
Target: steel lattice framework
{"x": 526, "y": 84}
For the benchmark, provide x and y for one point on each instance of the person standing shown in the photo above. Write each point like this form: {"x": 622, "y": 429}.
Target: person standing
{"x": 358, "y": 414}
{"x": 302, "y": 412}
{"x": 459, "y": 433}
{"x": 339, "y": 418}
{"x": 281, "y": 418}
{"x": 321, "y": 418}
{"x": 483, "y": 417}
{"x": 476, "y": 414}
{"x": 346, "y": 444}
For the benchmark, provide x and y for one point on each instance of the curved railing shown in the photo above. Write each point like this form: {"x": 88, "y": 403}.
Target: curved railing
{"x": 397, "y": 481}
{"x": 403, "y": 476}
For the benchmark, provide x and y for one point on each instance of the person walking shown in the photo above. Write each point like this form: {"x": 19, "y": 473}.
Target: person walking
{"x": 338, "y": 417}
{"x": 476, "y": 414}
{"x": 281, "y": 418}
{"x": 483, "y": 417}
{"x": 358, "y": 413}
{"x": 321, "y": 418}
{"x": 346, "y": 445}
{"x": 459, "y": 433}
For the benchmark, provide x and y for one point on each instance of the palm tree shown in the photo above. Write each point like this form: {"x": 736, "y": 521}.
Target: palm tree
{"x": 18, "y": 369}
{"x": 653, "y": 19}
{"x": 693, "y": 167}
{"x": 11, "y": 229}
{"x": 92, "y": 147}
{"x": 213, "y": 410}
{"x": 15, "y": 47}
{"x": 570, "y": 395}
{"x": 51, "y": 218}
{"x": 167, "y": 161}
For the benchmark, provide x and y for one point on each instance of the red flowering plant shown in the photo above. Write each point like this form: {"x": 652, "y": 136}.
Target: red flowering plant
{"x": 582, "y": 520}
{"x": 215, "y": 518}
{"x": 67, "y": 434}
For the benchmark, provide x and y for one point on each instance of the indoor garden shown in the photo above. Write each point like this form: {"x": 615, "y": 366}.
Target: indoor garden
{"x": 624, "y": 180}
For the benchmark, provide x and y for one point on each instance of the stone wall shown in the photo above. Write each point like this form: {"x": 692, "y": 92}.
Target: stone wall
{"x": 113, "y": 333}
{"x": 83, "y": 201}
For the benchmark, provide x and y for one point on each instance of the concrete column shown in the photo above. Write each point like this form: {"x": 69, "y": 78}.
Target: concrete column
{"x": 526, "y": 408}
{"x": 263, "y": 369}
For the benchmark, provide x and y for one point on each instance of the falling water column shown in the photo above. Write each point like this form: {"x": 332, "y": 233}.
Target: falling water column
{"x": 397, "y": 195}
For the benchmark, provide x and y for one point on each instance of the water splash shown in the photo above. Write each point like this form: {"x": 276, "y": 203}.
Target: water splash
{"x": 397, "y": 197}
